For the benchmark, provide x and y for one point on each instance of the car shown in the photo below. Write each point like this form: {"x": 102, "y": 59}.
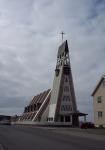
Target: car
{"x": 86, "y": 125}
{"x": 5, "y": 122}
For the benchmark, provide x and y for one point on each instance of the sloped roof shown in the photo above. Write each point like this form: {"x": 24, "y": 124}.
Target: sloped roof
{"x": 42, "y": 98}
{"x": 63, "y": 48}
{"x": 98, "y": 85}
{"x": 39, "y": 98}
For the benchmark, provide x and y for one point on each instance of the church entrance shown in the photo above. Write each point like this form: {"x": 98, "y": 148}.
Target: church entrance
{"x": 75, "y": 121}
{"x": 62, "y": 119}
{"x": 67, "y": 119}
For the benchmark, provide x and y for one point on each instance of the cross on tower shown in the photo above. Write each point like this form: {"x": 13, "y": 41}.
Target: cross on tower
{"x": 62, "y": 34}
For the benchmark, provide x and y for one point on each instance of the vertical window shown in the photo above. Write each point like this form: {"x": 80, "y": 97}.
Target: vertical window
{"x": 62, "y": 108}
{"x": 66, "y": 108}
{"x": 100, "y": 114}
{"x": 66, "y": 98}
{"x": 99, "y": 99}
{"x": 62, "y": 118}
{"x": 66, "y": 89}
{"x": 67, "y": 119}
{"x": 66, "y": 80}
{"x": 70, "y": 108}
{"x": 50, "y": 119}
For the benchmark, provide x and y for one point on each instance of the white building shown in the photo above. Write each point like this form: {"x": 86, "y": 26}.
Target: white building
{"x": 56, "y": 106}
{"x": 99, "y": 103}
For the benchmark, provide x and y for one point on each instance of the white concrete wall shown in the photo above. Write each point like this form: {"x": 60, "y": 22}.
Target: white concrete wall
{"x": 54, "y": 94}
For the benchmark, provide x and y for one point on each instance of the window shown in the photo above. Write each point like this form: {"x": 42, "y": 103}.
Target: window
{"x": 66, "y": 108}
{"x": 62, "y": 118}
{"x": 66, "y": 98}
{"x": 62, "y": 108}
{"x": 99, "y": 99}
{"x": 66, "y": 80}
{"x": 66, "y": 89}
{"x": 50, "y": 119}
{"x": 100, "y": 114}
{"x": 67, "y": 119}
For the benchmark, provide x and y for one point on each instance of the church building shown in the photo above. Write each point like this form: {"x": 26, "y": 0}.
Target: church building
{"x": 56, "y": 105}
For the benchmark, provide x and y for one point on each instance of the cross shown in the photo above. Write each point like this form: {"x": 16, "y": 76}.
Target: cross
{"x": 62, "y": 34}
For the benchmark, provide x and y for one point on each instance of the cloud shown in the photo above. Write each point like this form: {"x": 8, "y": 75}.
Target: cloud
{"x": 29, "y": 38}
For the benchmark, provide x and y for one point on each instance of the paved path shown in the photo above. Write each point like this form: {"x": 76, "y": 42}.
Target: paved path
{"x": 32, "y": 138}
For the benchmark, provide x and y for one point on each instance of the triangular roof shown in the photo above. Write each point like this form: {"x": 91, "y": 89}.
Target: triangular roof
{"x": 43, "y": 99}
{"x": 63, "y": 48}
{"x": 98, "y": 85}
{"x": 39, "y": 98}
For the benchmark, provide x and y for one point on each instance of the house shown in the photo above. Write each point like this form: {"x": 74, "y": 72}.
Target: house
{"x": 99, "y": 103}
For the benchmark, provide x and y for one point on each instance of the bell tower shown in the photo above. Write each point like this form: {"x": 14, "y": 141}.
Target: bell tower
{"x": 62, "y": 102}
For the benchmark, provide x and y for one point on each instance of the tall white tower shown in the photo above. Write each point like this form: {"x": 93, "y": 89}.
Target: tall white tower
{"x": 62, "y": 105}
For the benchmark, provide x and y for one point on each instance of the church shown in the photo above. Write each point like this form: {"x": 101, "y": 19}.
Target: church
{"x": 56, "y": 106}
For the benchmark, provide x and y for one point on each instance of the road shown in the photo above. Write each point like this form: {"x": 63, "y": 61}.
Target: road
{"x": 33, "y": 138}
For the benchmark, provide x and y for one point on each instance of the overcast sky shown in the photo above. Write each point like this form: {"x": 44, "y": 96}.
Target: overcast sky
{"x": 29, "y": 39}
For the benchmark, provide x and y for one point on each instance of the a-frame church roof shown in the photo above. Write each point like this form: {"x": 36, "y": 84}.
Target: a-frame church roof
{"x": 37, "y": 106}
{"x": 39, "y": 98}
{"x": 63, "y": 48}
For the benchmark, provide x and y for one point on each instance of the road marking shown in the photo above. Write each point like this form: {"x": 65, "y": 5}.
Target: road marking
{"x": 2, "y": 147}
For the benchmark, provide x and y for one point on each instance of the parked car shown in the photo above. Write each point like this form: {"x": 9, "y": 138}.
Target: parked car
{"x": 5, "y": 122}
{"x": 86, "y": 125}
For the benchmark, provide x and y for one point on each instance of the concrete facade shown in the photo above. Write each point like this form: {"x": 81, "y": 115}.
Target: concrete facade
{"x": 99, "y": 103}
{"x": 57, "y": 105}
{"x": 63, "y": 100}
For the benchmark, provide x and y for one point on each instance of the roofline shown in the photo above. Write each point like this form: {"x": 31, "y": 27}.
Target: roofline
{"x": 46, "y": 98}
{"x": 63, "y": 48}
{"x": 102, "y": 78}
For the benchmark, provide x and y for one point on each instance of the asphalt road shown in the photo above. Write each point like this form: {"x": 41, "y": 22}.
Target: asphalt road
{"x": 32, "y": 138}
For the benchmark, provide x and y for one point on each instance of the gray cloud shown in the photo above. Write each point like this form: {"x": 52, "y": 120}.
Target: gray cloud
{"x": 29, "y": 38}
